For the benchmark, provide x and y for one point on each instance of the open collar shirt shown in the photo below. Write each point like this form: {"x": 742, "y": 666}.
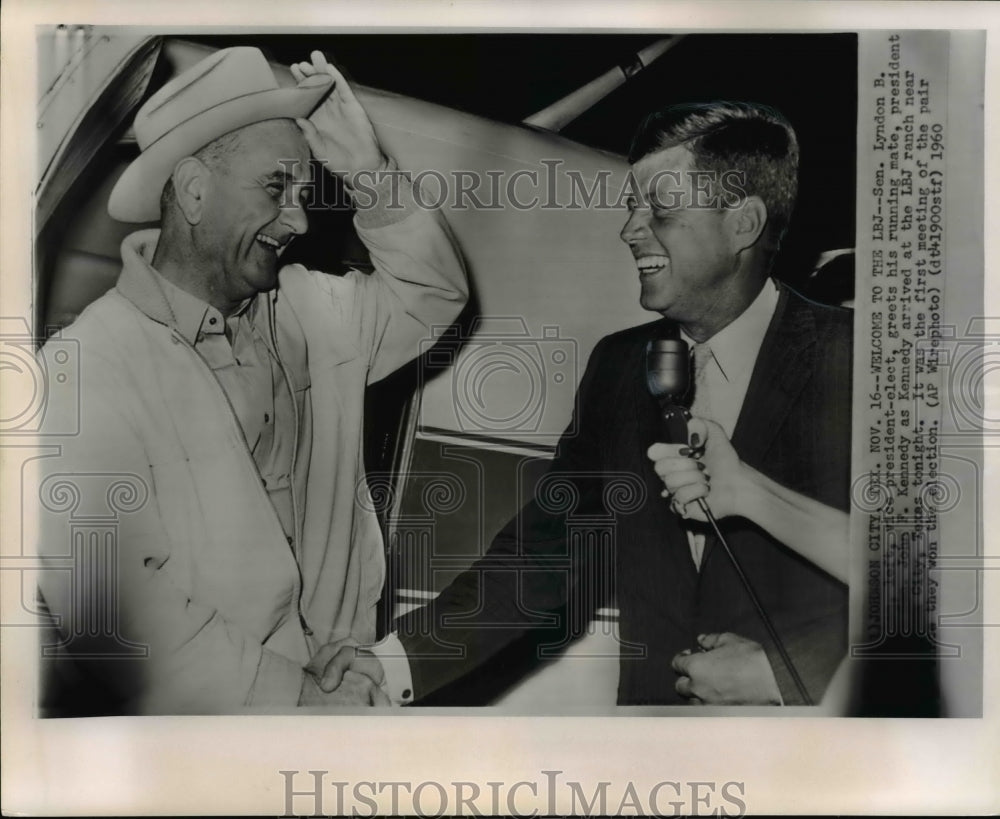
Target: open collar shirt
{"x": 251, "y": 376}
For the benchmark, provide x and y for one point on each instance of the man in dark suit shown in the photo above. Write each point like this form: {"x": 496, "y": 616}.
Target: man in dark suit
{"x": 716, "y": 184}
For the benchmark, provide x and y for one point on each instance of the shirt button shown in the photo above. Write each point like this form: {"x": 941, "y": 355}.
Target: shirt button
{"x": 407, "y": 693}
{"x": 267, "y": 418}
{"x": 289, "y": 539}
{"x": 211, "y": 320}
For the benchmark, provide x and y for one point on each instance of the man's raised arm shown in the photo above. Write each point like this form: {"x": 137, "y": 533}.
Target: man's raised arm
{"x": 420, "y": 278}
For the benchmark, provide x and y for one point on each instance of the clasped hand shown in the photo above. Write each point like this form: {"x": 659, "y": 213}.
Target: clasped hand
{"x": 343, "y": 673}
{"x": 726, "y": 670}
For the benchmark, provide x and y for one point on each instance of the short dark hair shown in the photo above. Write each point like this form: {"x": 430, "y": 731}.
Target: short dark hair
{"x": 748, "y": 137}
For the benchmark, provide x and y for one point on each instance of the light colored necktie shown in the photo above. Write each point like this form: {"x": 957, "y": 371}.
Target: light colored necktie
{"x": 700, "y": 407}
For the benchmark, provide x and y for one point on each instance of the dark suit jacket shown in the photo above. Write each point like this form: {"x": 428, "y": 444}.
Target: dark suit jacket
{"x": 567, "y": 558}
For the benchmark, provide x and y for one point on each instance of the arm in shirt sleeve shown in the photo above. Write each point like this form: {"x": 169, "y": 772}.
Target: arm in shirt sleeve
{"x": 419, "y": 280}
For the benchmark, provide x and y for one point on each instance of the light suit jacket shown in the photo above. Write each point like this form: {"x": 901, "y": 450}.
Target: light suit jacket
{"x": 202, "y": 578}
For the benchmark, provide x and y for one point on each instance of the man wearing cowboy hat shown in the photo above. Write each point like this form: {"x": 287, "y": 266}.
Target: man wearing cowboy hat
{"x": 226, "y": 391}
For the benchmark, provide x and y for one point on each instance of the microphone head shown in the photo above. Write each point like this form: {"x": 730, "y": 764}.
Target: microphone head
{"x": 668, "y": 367}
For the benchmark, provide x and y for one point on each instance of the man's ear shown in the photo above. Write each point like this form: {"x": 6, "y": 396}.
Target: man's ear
{"x": 190, "y": 187}
{"x": 748, "y": 222}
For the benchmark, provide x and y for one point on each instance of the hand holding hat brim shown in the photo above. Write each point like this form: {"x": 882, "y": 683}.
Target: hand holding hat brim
{"x": 220, "y": 105}
{"x": 339, "y": 132}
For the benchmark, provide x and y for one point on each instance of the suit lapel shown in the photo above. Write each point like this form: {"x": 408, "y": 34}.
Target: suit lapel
{"x": 783, "y": 367}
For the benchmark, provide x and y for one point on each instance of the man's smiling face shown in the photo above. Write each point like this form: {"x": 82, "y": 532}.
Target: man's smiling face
{"x": 252, "y": 209}
{"x": 683, "y": 252}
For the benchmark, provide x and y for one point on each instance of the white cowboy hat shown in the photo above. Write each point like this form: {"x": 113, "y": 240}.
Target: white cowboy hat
{"x": 230, "y": 89}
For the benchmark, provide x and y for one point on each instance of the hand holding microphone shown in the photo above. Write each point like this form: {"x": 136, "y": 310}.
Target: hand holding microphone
{"x": 668, "y": 379}
{"x": 706, "y": 468}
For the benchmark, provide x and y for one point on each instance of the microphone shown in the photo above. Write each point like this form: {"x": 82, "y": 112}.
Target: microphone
{"x": 668, "y": 369}
{"x": 668, "y": 379}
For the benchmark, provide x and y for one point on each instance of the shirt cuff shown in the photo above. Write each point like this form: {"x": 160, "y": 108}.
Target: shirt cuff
{"x": 398, "y": 684}
{"x": 381, "y": 197}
